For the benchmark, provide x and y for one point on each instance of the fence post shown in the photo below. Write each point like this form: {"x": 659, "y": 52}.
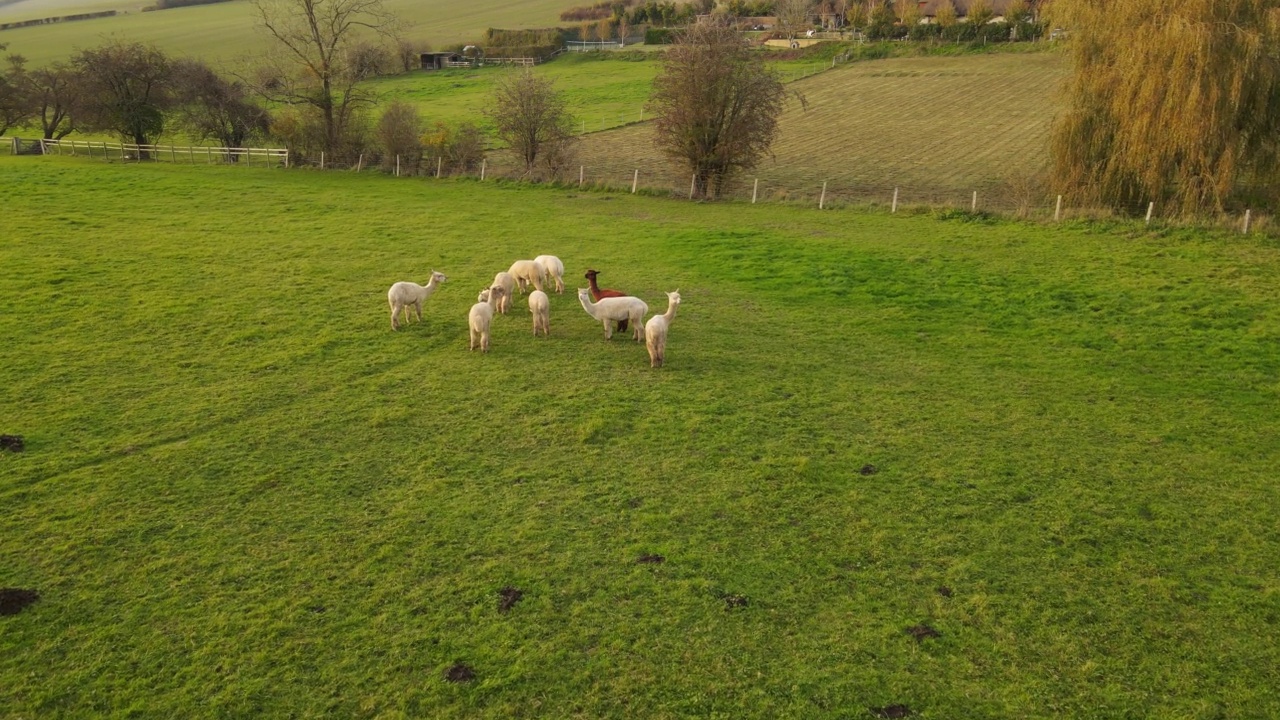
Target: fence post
{"x": 321, "y": 159}
{"x": 584, "y": 126}
{"x": 439, "y": 164}
{"x": 582, "y": 169}
{"x": 286, "y": 158}
{"x": 894, "y": 209}
{"x": 1057, "y": 212}
{"x": 1151, "y": 207}
{"x": 692, "y": 184}
{"x": 635, "y": 181}
{"x": 398, "y": 166}
{"x": 484, "y": 164}
{"x": 360, "y": 162}
{"x": 191, "y": 155}
{"x": 173, "y": 155}
{"x": 754, "y": 189}
{"x": 975, "y": 202}
{"x": 822, "y": 199}
{"x": 1248, "y": 215}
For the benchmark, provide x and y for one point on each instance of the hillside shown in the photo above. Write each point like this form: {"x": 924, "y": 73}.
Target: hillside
{"x": 937, "y": 127}
{"x": 226, "y": 31}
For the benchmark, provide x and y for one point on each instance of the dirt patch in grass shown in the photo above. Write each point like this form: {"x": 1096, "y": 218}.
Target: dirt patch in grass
{"x": 507, "y": 599}
{"x": 944, "y": 591}
{"x": 13, "y": 600}
{"x": 869, "y": 469}
{"x": 460, "y": 673}
{"x": 651, "y": 559}
{"x": 12, "y": 443}
{"x": 922, "y": 631}
{"x": 891, "y": 711}
{"x": 634, "y": 503}
{"x": 736, "y": 601}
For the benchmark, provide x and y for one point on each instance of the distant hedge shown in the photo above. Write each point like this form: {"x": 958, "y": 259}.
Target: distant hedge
{"x": 659, "y": 36}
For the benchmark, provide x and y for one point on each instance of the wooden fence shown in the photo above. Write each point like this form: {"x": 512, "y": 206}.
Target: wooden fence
{"x": 249, "y": 157}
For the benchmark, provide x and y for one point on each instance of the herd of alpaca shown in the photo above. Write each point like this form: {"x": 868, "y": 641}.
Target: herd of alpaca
{"x": 606, "y": 306}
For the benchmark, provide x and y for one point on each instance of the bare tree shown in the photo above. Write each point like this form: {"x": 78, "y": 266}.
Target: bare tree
{"x": 716, "y": 104}
{"x": 408, "y": 54}
{"x": 313, "y": 64}
{"x": 211, "y": 106}
{"x": 124, "y": 88}
{"x": 531, "y": 116}
{"x": 52, "y": 94}
{"x": 793, "y": 15}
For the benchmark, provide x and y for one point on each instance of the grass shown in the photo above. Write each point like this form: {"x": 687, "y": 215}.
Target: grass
{"x": 225, "y": 32}
{"x": 939, "y": 127}
{"x": 243, "y": 495}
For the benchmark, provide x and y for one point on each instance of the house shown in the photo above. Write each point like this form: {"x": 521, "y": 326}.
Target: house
{"x": 439, "y": 60}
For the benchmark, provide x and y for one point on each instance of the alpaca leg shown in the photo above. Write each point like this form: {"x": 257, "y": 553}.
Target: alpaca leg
{"x": 417, "y": 307}
{"x": 472, "y": 337}
{"x": 394, "y": 310}
{"x": 484, "y": 340}
{"x": 608, "y": 329}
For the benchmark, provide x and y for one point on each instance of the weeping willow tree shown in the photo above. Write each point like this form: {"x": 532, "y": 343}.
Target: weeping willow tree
{"x": 1171, "y": 101}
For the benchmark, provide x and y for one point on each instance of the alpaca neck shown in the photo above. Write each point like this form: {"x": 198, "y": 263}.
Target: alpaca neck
{"x": 588, "y": 305}
{"x": 670, "y": 314}
{"x": 595, "y": 289}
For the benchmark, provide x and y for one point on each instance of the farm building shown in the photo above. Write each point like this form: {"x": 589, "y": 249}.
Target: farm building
{"x": 440, "y": 60}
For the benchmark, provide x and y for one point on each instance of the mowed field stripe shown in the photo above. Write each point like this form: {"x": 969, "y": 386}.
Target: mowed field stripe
{"x": 937, "y": 127}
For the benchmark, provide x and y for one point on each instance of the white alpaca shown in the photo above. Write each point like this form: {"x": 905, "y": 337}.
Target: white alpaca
{"x": 508, "y": 285}
{"x": 616, "y": 308}
{"x": 655, "y": 331}
{"x": 404, "y": 295}
{"x": 481, "y": 316}
{"x": 554, "y": 269}
{"x": 540, "y": 306}
{"x": 526, "y": 273}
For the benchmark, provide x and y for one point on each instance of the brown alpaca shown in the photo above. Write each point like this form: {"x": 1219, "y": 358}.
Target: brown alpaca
{"x": 597, "y": 293}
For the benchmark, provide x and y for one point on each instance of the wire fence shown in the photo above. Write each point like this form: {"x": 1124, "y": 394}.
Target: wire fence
{"x": 659, "y": 177}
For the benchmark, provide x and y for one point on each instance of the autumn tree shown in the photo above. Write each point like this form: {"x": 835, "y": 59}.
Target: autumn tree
{"x": 1172, "y": 101}
{"x": 398, "y": 133}
{"x": 531, "y": 116}
{"x": 716, "y": 105}
{"x": 316, "y": 63}
{"x": 945, "y": 14}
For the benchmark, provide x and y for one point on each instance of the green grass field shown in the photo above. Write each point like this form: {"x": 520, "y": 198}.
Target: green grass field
{"x": 243, "y": 495}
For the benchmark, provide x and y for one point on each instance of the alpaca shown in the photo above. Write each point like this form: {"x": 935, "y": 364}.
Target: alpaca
{"x": 616, "y": 308}
{"x": 481, "y": 316}
{"x": 526, "y": 273}
{"x": 655, "y": 331}
{"x": 540, "y": 306}
{"x": 554, "y": 269}
{"x": 597, "y": 293}
{"x": 404, "y": 295}
{"x": 508, "y": 285}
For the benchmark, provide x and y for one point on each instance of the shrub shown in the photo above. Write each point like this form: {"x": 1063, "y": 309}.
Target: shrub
{"x": 659, "y": 36}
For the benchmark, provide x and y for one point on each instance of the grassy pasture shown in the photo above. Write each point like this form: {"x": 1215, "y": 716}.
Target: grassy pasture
{"x": 226, "y": 31}
{"x": 243, "y": 495}
{"x": 938, "y": 127}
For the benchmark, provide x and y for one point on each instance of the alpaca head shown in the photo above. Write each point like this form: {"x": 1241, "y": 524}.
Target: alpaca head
{"x": 483, "y": 296}
{"x": 584, "y": 294}
{"x": 437, "y": 277}
{"x": 591, "y": 274}
{"x": 674, "y": 297}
